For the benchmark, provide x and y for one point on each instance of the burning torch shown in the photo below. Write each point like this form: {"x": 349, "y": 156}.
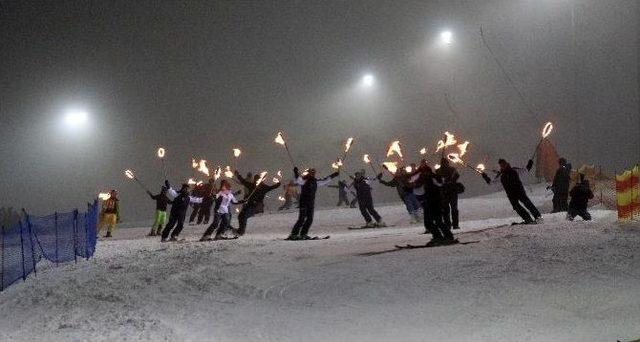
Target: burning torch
{"x": 546, "y": 130}
{"x": 280, "y": 140}
{"x": 367, "y": 160}
{"x": 161, "y": 153}
{"x": 131, "y": 175}
{"x": 455, "y": 158}
{"x": 395, "y": 148}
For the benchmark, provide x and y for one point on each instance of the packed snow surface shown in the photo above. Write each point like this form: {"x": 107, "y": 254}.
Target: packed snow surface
{"x": 557, "y": 281}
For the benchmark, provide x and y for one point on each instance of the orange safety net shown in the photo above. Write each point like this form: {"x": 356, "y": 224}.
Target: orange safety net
{"x": 628, "y": 194}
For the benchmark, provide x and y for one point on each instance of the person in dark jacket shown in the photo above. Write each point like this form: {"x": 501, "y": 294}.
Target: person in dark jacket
{"x": 198, "y": 191}
{"x": 208, "y": 194}
{"x": 516, "y": 194}
{"x": 362, "y": 185}
{"x": 253, "y": 199}
{"x": 309, "y": 185}
{"x": 161, "y": 211}
{"x": 580, "y": 196}
{"x": 560, "y": 186}
{"x": 432, "y": 206}
{"x": 403, "y": 186}
{"x": 450, "y": 191}
{"x": 178, "y": 214}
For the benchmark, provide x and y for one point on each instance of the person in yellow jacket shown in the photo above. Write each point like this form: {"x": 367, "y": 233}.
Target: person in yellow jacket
{"x": 110, "y": 213}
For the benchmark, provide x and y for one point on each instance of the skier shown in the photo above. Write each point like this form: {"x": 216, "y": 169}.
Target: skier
{"x": 309, "y": 185}
{"x": 560, "y": 186}
{"x": 450, "y": 190}
{"x": 198, "y": 191}
{"x": 362, "y": 185}
{"x": 222, "y": 220}
{"x": 401, "y": 182}
{"x": 161, "y": 211}
{"x": 290, "y": 192}
{"x": 253, "y": 199}
{"x": 111, "y": 212}
{"x": 178, "y": 214}
{"x": 343, "y": 194}
{"x": 515, "y": 192}
{"x": 432, "y": 206}
{"x": 580, "y": 195}
{"x": 208, "y": 193}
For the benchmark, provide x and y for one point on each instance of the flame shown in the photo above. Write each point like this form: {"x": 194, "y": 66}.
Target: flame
{"x": 395, "y": 148}
{"x": 161, "y": 152}
{"x": 200, "y": 183}
{"x": 191, "y": 182}
{"x": 202, "y": 167}
{"x": 463, "y": 148}
{"x": 391, "y": 166}
{"x": 194, "y": 164}
{"x": 280, "y": 198}
{"x": 280, "y": 139}
{"x": 262, "y": 175}
{"x": 437, "y": 166}
{"x": 305, "y": 172}
{"x": 366, "y": 159}
{"x": 129, "y": 174}
{"x": 337, "y": 164}
{"x": 408, "y": 169}
{"x": 275, "y": 180}
{"x": 227, "y": 172}
{"x": 347, "y": 145}
{"x": 237, "y": 210}
{"x": 104, "y": 196}
{"x": 480, "y": 167}
{"x": 423, "y": 150}
{"x": 279, "y": 173}
{"x": 237, "y": 152}
{"x": 548, "y": 127}
{"x": 440, "y": 145}
{"x": 451, "y": 139}
{"x": 217, "y": 173}
{"x": 455, "y": 157}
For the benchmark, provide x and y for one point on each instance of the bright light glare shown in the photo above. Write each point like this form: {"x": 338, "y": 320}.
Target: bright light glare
{"x": 76, "y": 118}
{"x": 446, "y": 37}
{"x": 368, "y": 80}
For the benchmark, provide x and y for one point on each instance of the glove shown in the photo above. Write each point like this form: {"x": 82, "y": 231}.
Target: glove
{"x": 166, "y": 183}
{"x": 379, "y": 176}
{"x": 529, "y": 164}
{"x": 385, "y": 167}
{"x": 335, "y": 174}
{"x": 296, "y": 172}
{"x": 486, "y": 178}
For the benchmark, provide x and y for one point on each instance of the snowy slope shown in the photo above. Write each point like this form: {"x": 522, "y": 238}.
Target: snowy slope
{"x": 557, "y": 281}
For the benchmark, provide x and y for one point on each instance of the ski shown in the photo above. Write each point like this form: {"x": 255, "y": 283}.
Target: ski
{"x": 360, "y": 228}
{"x": 410, "y": 246}
{"x": 312, "y": 238}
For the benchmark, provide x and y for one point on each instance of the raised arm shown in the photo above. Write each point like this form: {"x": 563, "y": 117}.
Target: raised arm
{"x": 326, "y": 180}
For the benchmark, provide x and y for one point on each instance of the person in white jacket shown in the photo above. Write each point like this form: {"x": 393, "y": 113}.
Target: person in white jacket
{"x": 224, "y": 200}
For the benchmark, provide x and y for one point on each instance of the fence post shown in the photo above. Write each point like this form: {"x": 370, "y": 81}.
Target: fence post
{"x": 24, "y": 272}
{"x": 86, "y": 234}
{"x": 2, "y": 250}
{"x": 55, "y": 225}
{"x": 75, "y": 236}
{"x": 33, "y": 249}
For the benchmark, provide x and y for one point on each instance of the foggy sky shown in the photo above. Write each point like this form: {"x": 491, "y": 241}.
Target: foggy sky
{"x": 202, "y": 77}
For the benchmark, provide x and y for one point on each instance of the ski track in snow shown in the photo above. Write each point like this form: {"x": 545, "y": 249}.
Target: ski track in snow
{"x": 557, "y": 281}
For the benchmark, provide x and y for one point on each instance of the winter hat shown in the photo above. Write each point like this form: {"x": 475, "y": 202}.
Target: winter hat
{"x": 562, "y": 161}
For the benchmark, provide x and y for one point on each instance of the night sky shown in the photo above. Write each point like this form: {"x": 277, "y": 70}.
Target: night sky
{"x": 202, "y": 77}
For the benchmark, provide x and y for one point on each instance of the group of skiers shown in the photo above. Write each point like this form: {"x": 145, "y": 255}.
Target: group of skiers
{"x": 429, "y": 195}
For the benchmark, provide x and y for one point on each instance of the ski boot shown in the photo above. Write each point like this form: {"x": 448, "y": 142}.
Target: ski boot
{"x": 380, "y": 224}
{"x": 152, "y": 232}
{"x": 293, "y": 238}
{"x": 539, "y": 220}
{"x": 173, "y": 239}
{"x": 108, "y": 235}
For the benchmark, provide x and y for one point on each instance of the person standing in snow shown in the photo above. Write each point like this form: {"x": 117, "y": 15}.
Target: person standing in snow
{"x": 432, "y": 206}
{"x": 290, "y": 192}
{"x": 253, "y": 200}
{"x": 222, "y": 220}
{"x": 343, "y": 194}
{"x": 516, "y": 194}
{"x": 309, "y": 185}
{"x": 560, "y": 186}
{"x": 178, "y": 214}
{"x": 111, "y": 212}
{"x": 401, "y": 182}
{"x": 580, "y": 195}
{"x": 161, "y": 211}
{"x": 362, "y": 185}
{"x": 208, "y": 193}
{"x": 198, "y": 191}
{"x": 450, "y": 190}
